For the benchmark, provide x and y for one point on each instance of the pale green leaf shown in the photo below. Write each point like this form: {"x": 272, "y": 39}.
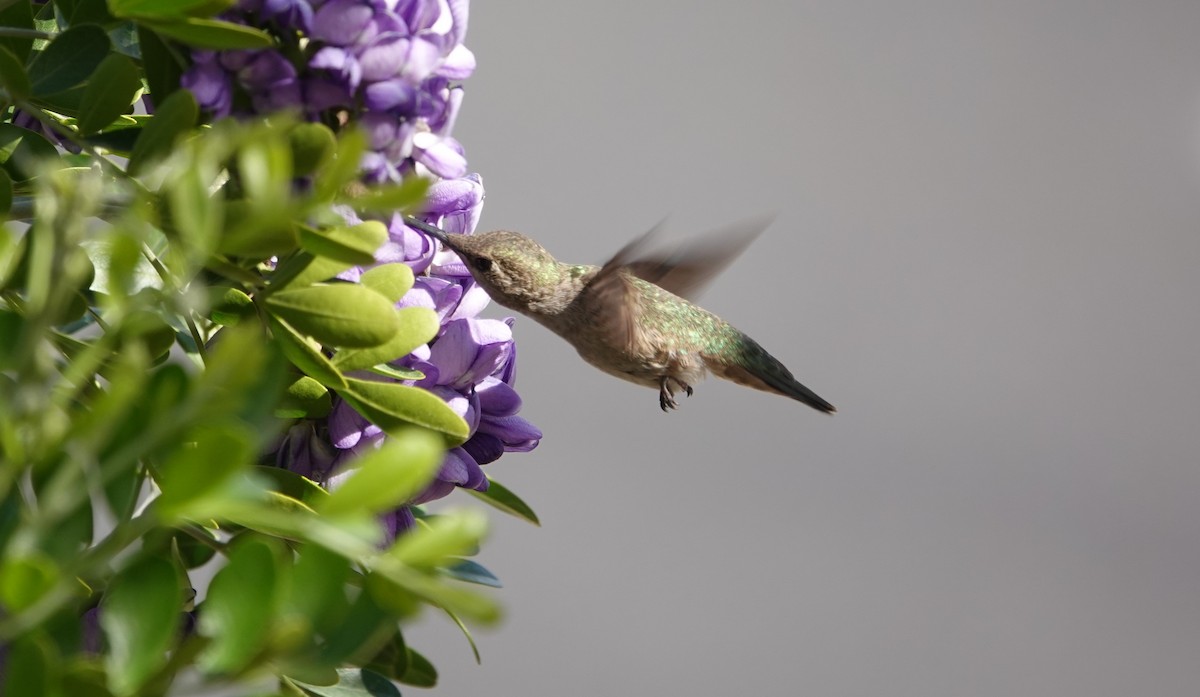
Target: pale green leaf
{"x": 339, "y": 314}
{"x": 391, "y": 281}
{"x": 388, "y": 477}
{"x": 392, "y": 406}
{"x": 418, "y": 325}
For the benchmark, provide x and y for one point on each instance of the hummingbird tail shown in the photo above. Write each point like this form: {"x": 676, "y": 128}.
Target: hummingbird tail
{"x": 756, "y": 368}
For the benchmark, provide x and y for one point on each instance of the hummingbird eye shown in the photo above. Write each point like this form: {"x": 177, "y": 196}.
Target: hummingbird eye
{"x": 482, "y": 263}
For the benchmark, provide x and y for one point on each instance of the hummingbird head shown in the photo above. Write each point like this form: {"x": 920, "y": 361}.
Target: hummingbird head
{"x": 516, "y": 272}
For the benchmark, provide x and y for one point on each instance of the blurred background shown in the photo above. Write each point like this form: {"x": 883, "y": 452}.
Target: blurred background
{"x": 986, "y": 255}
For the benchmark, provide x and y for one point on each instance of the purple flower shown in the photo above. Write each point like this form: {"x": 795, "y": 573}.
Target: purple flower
{"x": 333, "y": 79}
{"x": 210, "y": 83}
{"x": 345, "y": 22}
{"x": 390, "y": 67}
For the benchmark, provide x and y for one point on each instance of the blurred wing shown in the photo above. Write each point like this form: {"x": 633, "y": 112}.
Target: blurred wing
{"x": 687, "y": 268}
{"x": 615, "y": 306}
{"x": 684, "y": 271}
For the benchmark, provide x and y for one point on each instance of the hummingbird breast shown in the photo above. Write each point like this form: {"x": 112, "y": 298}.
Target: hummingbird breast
{"x": 642, "y": 336}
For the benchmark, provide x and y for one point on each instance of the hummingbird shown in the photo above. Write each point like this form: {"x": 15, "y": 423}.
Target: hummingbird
{"x": 631, "y": 317}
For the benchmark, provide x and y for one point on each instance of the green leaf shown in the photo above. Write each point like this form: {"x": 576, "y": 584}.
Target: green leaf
{"x": 353, "y": 682}
{"x": 291, "y": 484}
{"x": 472, "y": 572}
{"x": 391, "y": 371}
{"x": 421, "y": 672}
{"x": 340, "y": 314}
{"x": 501, "y": 498}
{"x": 391, "y": 406}
{"x": 391, "y": 198}
{"x": 239, "y": 608}
{"x": 305, "y": 356}
{"x": 31, "y": 667}
{"x": 215, "y": 453}
{"x": 317, "y": 592}
{"x": 117, "y": 139}
{"x": 211, "y": 33}
{"x": 417, "y": 326}
{"x": 6, "y": 199}
{"x": 343, "y": 167}
{"x": 391, "y": 281}
{"x": 305, "y": 399}
{"x": 448, "y": 535}
{"x": 18, "y": 15}
{"x": 109, "y": 93}
{"x": 161, "y": 65}
{"x": 190, "y": 551}
{"x": 12, "y": 73}
{"x": 354, "y": 245}
{"x": 168, "y": 9}
{"x": 68, "y": 60}
{"x": 173, "y": 117}
{"x": 84, "y": 12}
{"x": 230, "y": 306}
{"x": 85, "y": 679}
{"x": 312, "y": 145}
{"x": 140, "y": 615}
{"x": 23, "y": 579}
{"x": 21, "y": 151}
{"x": 303, "y": 269}
{"x": 388, "y": 477}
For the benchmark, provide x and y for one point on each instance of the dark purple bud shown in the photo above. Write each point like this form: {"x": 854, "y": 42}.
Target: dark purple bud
{"x": 518, "y": 434}
{"x": 484, "y": 448}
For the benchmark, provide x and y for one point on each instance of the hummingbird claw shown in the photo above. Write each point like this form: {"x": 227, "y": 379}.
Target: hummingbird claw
{"x": 666, "y": 396}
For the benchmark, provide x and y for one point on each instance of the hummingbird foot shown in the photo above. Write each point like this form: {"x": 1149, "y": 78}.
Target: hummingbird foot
{"x": 666, "y": 395}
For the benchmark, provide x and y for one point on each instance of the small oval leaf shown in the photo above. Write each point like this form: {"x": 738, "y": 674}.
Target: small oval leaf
{"x": 236, "y": 616}
{"x": 305, "y": 399}
{"x": 355, "y": 245}
{"x": 109, "y": 93}
{"x": 386, "y": 478}
{"x": 305, "y": 356}
{"x": 339, "y": 314}
{"x": 12, "y": 74}
{"x": 391, "y": 281}
{"x": 173, "y": 117}
{"x": 417, "y": 326}
{"x": 140, "y": 615}
{"x": 68, "y": 60}
{"x": 21, "y": 151}
{"x": 393, "y": 406}
{"x": 212, "y": 33}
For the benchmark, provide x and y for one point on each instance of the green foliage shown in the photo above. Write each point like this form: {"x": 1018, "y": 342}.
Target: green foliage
{"x": 169, "y": 309}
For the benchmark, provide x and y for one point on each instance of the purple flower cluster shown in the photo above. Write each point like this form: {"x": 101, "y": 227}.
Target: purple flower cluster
{"x": 390, "y": 67}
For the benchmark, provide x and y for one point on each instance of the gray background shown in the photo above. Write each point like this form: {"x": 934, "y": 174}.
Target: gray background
{"x": 986, "y": 256}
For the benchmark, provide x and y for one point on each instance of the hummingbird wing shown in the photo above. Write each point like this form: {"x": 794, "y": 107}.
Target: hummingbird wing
{"x": 685, "y": 269}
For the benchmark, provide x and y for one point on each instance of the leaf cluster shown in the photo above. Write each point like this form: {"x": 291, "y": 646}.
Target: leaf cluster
{"x": 169, "y": 305}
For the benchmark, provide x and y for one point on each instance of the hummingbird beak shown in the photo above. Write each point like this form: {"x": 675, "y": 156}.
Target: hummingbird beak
{"x": 436, "y": 233}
